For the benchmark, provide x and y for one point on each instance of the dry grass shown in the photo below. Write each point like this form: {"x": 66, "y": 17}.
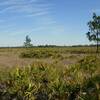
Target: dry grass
{"x": 9, "y": 57}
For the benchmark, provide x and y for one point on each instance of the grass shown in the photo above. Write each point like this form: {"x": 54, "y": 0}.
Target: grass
{"x": 52, "y": 81}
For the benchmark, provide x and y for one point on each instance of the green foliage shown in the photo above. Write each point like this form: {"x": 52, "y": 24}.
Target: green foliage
{"x": 94, "y": 29}
{"x": 49, "y": 82}
{"x": 40, "y": 54}
{"x": 27, "y": 42}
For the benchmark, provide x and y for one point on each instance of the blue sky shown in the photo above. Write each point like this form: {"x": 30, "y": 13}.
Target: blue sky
{"x": 60, "y": 22}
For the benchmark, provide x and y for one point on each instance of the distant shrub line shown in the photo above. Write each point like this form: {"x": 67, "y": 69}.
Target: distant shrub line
{"x": 54, "y": 52}
{"x": 39, "y": 54}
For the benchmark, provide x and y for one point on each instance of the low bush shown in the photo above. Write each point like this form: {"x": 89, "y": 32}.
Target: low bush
{"x": 48, "y": 82}
{"x": 40, "y": 54}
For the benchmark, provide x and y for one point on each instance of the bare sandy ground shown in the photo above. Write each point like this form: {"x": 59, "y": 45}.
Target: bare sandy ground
{"x": 12, "y": 61}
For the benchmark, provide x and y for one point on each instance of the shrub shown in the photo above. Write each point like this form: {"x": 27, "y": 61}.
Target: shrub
{"x": 48, "y": 82}
{"x": 40, "y": 54}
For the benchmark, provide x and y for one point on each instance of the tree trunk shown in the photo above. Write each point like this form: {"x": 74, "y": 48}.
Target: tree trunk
{"x": 97, "y": 47}
{"x": 97, "y": 44}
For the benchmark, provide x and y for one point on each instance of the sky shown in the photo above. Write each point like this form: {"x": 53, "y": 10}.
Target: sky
{"x": 56, "y": 22}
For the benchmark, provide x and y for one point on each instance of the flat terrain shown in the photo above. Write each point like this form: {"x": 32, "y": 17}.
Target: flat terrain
{"x": 10, "y": 57}
{"x": 57, "y": 73}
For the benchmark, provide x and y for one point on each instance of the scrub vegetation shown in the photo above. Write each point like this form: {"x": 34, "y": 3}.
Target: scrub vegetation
{"x": 55, "y": 80}
{"x": 52, "y": 72}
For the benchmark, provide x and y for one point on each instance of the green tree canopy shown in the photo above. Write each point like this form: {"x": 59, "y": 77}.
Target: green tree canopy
{"x": 94, "y": 30}
{"x": 27, "y": 42}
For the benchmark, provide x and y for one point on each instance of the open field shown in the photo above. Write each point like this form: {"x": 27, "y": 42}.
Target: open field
{"x": 10, "y": 57}
{"x": 57, "y": 73}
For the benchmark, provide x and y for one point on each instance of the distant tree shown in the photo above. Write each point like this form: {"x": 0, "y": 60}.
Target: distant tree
{"x": 94, "y": 30}
{"x": 27, "y": 42}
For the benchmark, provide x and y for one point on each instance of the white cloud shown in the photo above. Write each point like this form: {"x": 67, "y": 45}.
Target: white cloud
{"x": 28, "y": 7}
{"x": 16, "y": 2}
{"x": 39, "y": 9}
